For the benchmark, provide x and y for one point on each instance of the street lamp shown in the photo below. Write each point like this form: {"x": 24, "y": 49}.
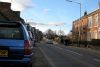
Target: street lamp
{"x": 79, "y": 19}
{"x": 99, "y": 3}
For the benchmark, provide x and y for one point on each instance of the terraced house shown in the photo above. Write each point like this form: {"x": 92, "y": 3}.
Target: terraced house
{"x": 87, "y": 27}
{"x": 6, "y": 14}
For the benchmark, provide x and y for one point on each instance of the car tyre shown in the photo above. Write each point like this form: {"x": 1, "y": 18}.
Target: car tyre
{"x": 27, "y": 65}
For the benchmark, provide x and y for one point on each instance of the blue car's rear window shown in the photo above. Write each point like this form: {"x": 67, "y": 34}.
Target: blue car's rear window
{"x": 11, "y": 32}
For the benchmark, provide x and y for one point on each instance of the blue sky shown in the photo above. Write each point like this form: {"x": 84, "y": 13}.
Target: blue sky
{"x": 57, "y": 11}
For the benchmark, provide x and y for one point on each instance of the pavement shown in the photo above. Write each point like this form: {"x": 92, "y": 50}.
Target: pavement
{"x": 58, "y": 56}
{"x": 40, "y": 60}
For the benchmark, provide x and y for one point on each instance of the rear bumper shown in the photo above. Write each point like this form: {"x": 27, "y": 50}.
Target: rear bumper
{"x": 27, "y": 59}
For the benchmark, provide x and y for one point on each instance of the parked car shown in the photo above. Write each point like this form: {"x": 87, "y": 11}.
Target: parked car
{"x": 15, "y": 46}
{"x": 31, "y": 33}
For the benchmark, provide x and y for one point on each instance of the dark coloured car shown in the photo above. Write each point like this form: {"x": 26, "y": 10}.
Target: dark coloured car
{"x": 15, "y": 46}
{"x": 31, "y": 33}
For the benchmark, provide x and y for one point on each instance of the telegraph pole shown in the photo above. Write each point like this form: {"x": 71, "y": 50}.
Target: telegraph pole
{"x": 79, "y": 19}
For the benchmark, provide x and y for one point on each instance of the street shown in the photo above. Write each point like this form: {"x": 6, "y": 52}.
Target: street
{"x": 70, "y": 56}
{"x": 50, "y": 55}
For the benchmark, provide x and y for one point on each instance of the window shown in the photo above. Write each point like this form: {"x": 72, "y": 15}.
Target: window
{"x": 90, "y": 22}
{"x": 10, "y": 33}
{"x": 96, "y": 20}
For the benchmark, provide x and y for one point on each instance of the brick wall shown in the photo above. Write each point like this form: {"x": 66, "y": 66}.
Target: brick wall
{"x": 82, "y": 27}
{"x": 7, "y": 14}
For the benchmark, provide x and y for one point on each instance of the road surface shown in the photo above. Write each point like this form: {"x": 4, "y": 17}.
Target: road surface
{"x": 70, "y": 56}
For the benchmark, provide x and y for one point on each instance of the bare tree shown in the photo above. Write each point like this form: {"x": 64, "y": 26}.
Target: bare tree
{"x": 61, "y": 32}
{"x": 50, "y": 34}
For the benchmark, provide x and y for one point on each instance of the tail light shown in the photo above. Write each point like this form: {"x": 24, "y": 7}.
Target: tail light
{"x": 27, "y": 47}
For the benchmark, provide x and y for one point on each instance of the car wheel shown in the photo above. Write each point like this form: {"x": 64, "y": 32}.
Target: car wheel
{"x": 30, "y": 65}
{"x": 27, "y": 65}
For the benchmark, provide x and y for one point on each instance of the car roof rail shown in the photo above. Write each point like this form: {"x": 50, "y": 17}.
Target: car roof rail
{"x": 9, "y": 21}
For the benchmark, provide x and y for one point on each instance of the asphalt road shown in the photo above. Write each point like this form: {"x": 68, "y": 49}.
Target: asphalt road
{"x": 58, "y": 56}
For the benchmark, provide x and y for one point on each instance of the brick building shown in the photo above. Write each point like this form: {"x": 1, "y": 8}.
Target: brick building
{"x": 7, "y": 14}
{"x": 87, "y": 27}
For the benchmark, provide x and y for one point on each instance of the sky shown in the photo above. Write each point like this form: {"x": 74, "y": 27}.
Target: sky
{"x": 52, "y": 14}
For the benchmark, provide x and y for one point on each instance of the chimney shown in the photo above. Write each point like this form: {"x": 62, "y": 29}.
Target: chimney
{"x": 85, "y": 13}
{"x": 5, "y": 5}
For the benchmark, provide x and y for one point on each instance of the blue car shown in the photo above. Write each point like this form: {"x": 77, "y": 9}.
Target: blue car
{"x": 15, "y": 46}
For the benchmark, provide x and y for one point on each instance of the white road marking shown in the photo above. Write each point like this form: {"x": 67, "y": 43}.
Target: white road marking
{"x": 97, "y": 60}
{"x": 48, "y": 59}
{"x": 73, "y": 52}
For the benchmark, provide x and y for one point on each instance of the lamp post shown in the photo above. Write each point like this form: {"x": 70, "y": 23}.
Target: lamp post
{"x": 99, "y": 3}
{"x": 79, "y": 19}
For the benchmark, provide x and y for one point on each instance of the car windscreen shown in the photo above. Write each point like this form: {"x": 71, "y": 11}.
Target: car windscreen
{"x": 11, "y": 32}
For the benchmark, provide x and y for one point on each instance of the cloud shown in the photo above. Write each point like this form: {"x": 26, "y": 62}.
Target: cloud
{"x": 5, "y": 0}
{"x": 56, "y": 23}
{"x": 19, "y": 5}
{"x": 47, "y": 24}
{"x": 45, "y": 28}
{"x": 42, "y": 27}
{"x": 46, "y": 10}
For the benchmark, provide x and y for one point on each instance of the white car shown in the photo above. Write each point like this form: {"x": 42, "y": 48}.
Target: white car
{"x": 49, "y": 41}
